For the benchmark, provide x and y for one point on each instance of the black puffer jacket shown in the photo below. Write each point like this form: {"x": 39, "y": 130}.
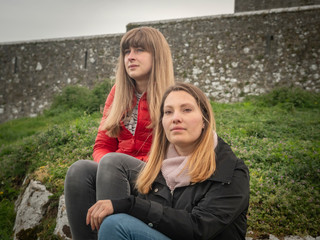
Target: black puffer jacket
{"x": 213, "y": 209}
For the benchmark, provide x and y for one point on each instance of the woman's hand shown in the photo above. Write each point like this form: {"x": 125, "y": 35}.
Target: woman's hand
{"x": 98, "y": 212}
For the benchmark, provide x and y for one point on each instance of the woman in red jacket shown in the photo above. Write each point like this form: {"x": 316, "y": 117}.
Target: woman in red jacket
{"x": 144, "y": 72}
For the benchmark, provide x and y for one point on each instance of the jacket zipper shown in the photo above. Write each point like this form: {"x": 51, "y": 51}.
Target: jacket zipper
{"x": 172, "y": 192}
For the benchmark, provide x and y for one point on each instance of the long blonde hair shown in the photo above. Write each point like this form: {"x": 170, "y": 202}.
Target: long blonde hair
{"x": 201, "y": 164}
{"x": 161, "y": 77}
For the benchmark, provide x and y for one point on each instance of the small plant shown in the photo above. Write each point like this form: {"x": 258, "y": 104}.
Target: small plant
{"x": 80, "y": 99}
{"x": 289, "y": 98}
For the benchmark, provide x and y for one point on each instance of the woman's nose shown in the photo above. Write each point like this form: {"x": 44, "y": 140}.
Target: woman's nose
{"x": 176, "y": 118}
{"x": 131, "y": 55}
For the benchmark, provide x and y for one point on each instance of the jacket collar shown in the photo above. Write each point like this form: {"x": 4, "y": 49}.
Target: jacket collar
{"x": 134, "y": 100}
{"x": 226, "y": 162}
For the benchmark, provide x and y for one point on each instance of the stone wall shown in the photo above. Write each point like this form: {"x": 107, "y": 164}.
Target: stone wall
{"x": 254, "y": 5}
{"x": 32, "y": 72}
{"x": 230, "y": 56}
{"x": 227, "y": 56}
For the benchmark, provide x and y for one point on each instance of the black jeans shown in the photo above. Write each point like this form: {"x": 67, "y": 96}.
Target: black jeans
{"x": 87, "y": 182}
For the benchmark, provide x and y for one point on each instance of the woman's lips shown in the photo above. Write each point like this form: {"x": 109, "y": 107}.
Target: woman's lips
{"x": 177, "y": 129}
{"x": 132, "y": 66}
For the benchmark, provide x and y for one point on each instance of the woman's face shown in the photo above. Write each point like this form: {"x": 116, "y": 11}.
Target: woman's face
{"x": 182, "y": 121}
{"x": 138, "y": 63}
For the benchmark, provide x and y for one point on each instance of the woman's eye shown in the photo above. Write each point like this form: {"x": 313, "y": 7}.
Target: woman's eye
{"x": 126, "y": 52}
{"x": 140, "y": 50}
{"x": 187, "y": 110}
{"x": 167, "y": 112}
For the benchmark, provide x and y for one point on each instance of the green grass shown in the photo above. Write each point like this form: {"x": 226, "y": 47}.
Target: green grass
{"x": 15, "y": 130}
{"x": 282, "y": 151}
{"x": 7, "y": 215}
{"x": 278, "y": 140}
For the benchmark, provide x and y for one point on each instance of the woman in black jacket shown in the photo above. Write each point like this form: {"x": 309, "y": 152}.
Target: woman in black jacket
{"x": 193, "y": 186}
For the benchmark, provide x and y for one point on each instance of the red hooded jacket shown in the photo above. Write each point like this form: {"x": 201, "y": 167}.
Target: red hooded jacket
{"x": 137, "y": 145}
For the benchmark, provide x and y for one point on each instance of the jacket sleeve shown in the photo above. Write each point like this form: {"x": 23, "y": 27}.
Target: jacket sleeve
{"x": 103, "y": 143}
{"x": 217, "y": 210}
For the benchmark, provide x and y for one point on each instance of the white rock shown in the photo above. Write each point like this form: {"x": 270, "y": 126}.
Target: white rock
{"x": 246, "y": 50}
{"x": 62, "y": 227}
{"x": 196, "y": 71}
{"x": 39, "y": 67}
{"x": 313, "y": 67}
{"x": 30, "y": 210}
{"x": 309, "y": 238}
{"x": 234, "y": 64}
{"x": 272, "y": 237}
{"x": 246, "y": 89}
{"x": 293, "y": 238}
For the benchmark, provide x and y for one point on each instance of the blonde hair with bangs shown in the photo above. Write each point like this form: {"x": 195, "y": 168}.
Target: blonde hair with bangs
{"x": 201, "y": 164}
{"x": 161, "y": 77}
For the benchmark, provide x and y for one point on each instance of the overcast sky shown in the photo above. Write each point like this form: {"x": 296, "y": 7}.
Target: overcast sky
{"x": 24, "y": 20}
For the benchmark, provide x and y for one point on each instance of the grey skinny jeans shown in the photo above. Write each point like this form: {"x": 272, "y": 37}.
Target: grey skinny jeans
{"x": 87, "y": 182}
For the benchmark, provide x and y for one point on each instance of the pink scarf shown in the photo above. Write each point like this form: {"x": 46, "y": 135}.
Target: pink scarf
{"x": 172, "y": 166}
{"x": 171, "y": 169}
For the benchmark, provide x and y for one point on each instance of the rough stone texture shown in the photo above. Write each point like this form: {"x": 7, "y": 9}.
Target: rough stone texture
{"x": 272, "y": 237}
{"x": 227, "y": 56}
{"x": 254, "y": 5}
{"x": 62, "y": 227}
{"x": 32, "y": 72}
{"x": 309, "y": 238}
{"x": 30, "y": 210}
{"x": 298, "y": 238}
{"x": 231, "y": 56}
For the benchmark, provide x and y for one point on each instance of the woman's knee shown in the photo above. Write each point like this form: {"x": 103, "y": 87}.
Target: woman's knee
{"x": 124, "y": 226}
{"x": 118, "y": 226}
{"x": 112, "y": 226}
{"x": 121, "y": 161}
{"x": 112, "y": 221}
{"x": 112, "y": 161}
{"x": 80, "y": 170}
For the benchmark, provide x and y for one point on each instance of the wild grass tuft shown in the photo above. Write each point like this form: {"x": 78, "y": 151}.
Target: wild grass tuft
{"x": 288, "y": 98}
{"x": 80, "y": 98}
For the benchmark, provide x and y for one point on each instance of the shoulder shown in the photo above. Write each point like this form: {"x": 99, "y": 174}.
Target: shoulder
{"x": 113, "y": 90}
{"x": 110, "y": 97}
{"x": 226, "y": 163}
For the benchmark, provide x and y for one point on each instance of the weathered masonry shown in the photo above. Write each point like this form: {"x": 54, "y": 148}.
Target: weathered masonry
{"x": 227, "y": 56}
{"x": 254, "y": 5}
